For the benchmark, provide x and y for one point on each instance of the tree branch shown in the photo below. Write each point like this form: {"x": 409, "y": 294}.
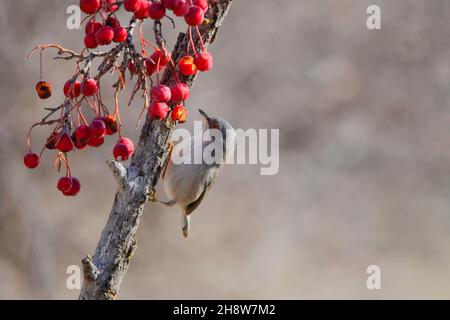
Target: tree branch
{"x": 118, "y": 240}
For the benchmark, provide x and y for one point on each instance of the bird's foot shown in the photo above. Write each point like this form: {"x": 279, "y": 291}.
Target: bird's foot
{"x": 151, "y": 196}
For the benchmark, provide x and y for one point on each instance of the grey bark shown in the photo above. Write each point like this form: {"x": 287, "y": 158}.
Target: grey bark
{"x": 103, "y": 272}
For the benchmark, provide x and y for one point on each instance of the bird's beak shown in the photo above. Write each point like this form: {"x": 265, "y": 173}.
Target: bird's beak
{"x": 203, "y": 113}
{"x": 207, "y": 118}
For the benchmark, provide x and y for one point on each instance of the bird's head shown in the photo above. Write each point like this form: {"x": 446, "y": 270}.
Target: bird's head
{"x": 215, "y": 123}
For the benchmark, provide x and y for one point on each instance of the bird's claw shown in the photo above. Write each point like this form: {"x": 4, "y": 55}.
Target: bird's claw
{"x": 151, "y": 195}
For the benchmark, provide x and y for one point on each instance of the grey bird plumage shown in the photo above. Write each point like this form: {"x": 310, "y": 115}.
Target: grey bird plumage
{"x": 188, "y": 183}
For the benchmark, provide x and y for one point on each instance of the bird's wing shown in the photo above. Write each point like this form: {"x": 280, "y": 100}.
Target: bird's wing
{"x": 208, "y": 183}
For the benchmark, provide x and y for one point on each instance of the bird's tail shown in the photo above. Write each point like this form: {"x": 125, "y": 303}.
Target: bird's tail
{"x": 185, "y": 224}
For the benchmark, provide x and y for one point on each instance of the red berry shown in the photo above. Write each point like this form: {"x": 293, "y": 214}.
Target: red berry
{"x": 127, "y": 142}
{"x": 78, "y": 144}
{"x": 72, "y": 89}
{"x": 179, "y": 113}
{"x": 156, "y": 11}
{"x": 132, "y": 5}
{"x": 170, "y": 4}
{"x": 65, "y": 143}
{"x": 90, "y": 42}
{"x": 194, "y": 16}
{"x": 111, "y": 125}
{"x": 143, "y": 12}
{"x": 159, "y": 57}
{"x": 120, "y": 34}
{"x": 204, "y": 61}
{"x": 203, "y": 4}
{"x": 187, "y": 66}
{"x": 109, "y": 5}
{"x": 180, "y": 92}
{"x": 98, "y": 128}
{"x": 64, "y": 184}
{"x": 96, "y": 142}
{"x": 160, "y": 93}
{"x": 158, "y": 110}
{"x": 181, "y": 8}
{"x": 31, "y": 160}
{"x": 112, "y": 22}
{"x": 89, "y": 87}
{"x": 75, "y": 187}
{"x": 123, "y": 149}
{"x": 92, "y": 27}
{"x": 82, "y": 134}
{"x": 156, "y": 59}
{"x": 89, "y": 6}
{"x": 104, "y": 36}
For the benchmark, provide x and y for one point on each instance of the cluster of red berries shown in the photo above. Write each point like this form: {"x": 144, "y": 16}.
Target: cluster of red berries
{"x": 165, "y": 101}
{"x": 98, "y": 34}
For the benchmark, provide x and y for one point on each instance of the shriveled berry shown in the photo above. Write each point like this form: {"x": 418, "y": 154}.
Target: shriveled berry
{"x": 143, "y": 12}
{"x": 52, "y": 141}
{"x": 104, "y": 35}
{"x": 64, "y": 184}
{"x": 204, "y": 61}
{"x": 89, "y": 87}
{"x": 72, "y": 90}
{"x": 96, "y": 142}
{"x": 120, "y": 34}
{"x": 181, "y": 8}
{"x": 187, "y": 66}
{"x": 132, "y": 68}
{"x": 203, "y": 4}
{"x": 31, "y": 160}
{"x": 194, "y": 16}
{"x": 179, "y": 92}
{"x": 65, "y": 143}
{"x": 160, "y": 93}
{"x": 132, "y": 5}
{"x": 156, "y": 11}
{"x": 158, "y": 110}
{"x": 90, "y": 41}
{"x": 123, "y": 149}
{"x": 89, "y": 6}
{"x": 75, "y": 188}
{"x": 179, "y": 113}
{"x": 82, "y": 134}
{"x": 112, "y": 22}
{"x": 111, "y": 125}
{"x": 97, "y": 128}
{"x": 92, "y": 27}
{"x": 44, "y": 89}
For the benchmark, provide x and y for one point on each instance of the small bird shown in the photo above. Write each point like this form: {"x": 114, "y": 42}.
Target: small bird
{"x": 188, "y": 183}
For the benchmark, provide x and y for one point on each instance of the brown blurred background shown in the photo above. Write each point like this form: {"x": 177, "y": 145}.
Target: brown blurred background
{"x": 364, "y": 119}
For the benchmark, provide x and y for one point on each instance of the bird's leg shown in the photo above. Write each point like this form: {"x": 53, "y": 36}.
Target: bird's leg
{"x": 152, "y": 194}
{"x": 166, "y": 162}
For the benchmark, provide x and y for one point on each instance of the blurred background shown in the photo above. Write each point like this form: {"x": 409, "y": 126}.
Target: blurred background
{"x": 364, "y": 176}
